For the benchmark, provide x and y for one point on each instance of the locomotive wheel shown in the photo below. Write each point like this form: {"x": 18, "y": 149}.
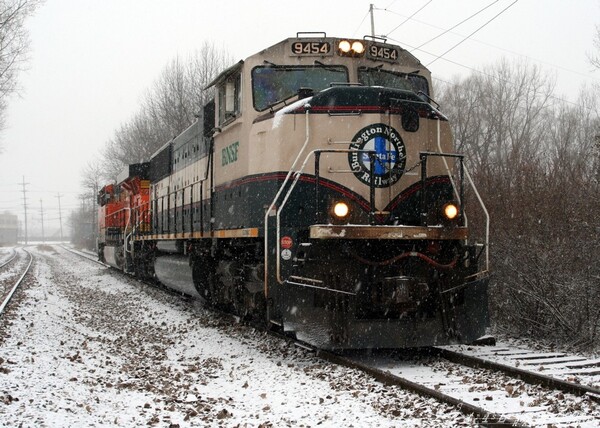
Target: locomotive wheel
{"x": 203, "y": 278}
{"x": 239, "y": 302}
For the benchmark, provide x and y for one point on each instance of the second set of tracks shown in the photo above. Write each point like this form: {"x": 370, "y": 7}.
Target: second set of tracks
{"x": 491, "y": 391}
{"x": 13, "y": 269}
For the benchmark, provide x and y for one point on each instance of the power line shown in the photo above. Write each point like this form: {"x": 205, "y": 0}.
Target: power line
{"x": 466, "y": 38}
{"x": 530, "y": 58}
{"x": 361, "y": 23}
{"x": 554, "y": 97}
{"x": 456, "y": 25}
{"x": 410, "y": 17}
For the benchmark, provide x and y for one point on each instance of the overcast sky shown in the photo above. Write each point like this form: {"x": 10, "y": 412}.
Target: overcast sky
{"x": 91, "y": 62}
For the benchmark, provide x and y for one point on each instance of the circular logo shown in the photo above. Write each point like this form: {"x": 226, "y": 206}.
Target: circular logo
{"x": 286, "y": 254}
{"x": 389, "y": 155}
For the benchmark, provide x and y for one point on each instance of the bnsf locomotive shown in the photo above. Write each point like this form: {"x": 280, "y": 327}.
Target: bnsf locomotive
{"x": 319, "y": 192}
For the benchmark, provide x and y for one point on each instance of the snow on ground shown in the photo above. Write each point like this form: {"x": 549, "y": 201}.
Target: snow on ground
{"x": 85, "y": 346}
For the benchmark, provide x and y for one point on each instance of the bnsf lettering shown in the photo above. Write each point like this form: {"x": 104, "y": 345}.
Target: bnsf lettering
{"x": 229, "y": 154}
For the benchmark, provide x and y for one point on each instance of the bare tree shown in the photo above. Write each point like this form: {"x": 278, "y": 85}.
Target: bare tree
{"x": 83, "y": 221}
{"x": 14, "y": 43}
{"x": 133, "y": 142}
{"x": 169, "y": 107}
{"x": 92, "y": 177}
{"x": 536, "y": 162}
{"x": 594, "y": 58}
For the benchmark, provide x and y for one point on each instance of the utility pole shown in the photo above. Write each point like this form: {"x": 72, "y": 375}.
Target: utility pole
{"x": 372, "y": 20}
{"x": 58, "y": 195}
{"x": 42, "y": 215}
{"x": 25, "y": 206}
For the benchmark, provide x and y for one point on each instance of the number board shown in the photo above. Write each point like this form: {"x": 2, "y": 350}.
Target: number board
{"x": 383, "y": 52}
{"x": 311, "y": 48}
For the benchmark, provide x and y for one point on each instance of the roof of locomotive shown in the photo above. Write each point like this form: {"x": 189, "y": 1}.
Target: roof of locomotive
{"x": 405, "y": 58}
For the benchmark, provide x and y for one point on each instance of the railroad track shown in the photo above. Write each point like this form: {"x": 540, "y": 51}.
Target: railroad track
{"x": 493, "y": 397}
{"x": 10, "y": 258}
{"x": 568, "y": 373}
{"x": 88, "y": 256}
{"x": 13, "y": 276}
{"x": 469, "y": 379}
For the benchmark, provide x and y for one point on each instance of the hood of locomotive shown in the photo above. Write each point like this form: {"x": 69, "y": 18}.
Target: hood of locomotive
{"x": 345, "y": 123}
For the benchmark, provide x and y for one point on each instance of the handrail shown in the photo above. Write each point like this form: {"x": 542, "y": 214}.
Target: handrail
{"x": 277, "y": 195}
{"x": 424, "y": 156}
{"x": 487, "y": 220}
{"x": 293, "y": 185}
{"x": 175, "y": 193}
{"x": 125, "y": 236}
{"x": 454, "y": 187}
{"x": 481, "y": 203}
{"x": 317, "y": 153}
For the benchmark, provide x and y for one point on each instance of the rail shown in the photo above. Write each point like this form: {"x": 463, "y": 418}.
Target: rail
{"x": 484, "y": 417}
{"x": 84, "y": 255}
{"x": 11, "y": 258}
{"x": 521, "y": 373}
{"x": 14, "y": 288}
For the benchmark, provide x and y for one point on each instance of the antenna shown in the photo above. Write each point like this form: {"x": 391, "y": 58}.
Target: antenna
{"x": 372, "y": 20}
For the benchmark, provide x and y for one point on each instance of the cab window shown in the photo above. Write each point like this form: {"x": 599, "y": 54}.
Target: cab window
{"x": 374, "y": 76}
{"x": 274, "y": 84}
{"x": 230, "y": 99}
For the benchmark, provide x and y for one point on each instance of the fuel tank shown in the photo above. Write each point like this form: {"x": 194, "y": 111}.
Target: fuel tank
{"x": 174, "y": 271}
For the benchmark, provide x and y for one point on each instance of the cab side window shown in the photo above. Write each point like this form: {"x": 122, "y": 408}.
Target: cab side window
{"x": 230, "y": 99}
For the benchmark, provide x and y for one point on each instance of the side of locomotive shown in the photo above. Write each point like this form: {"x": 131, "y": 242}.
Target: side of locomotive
{"x": 319, "y": 192}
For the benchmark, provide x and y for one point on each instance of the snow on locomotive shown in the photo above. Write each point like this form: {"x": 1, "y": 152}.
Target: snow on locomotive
{"x": 319, "y": 192}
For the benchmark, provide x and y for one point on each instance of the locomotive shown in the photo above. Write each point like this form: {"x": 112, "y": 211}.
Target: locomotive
{"x": 318, "y": 193}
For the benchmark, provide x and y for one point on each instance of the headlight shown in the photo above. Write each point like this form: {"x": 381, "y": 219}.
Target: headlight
{"x": 341, "y": 210}
{"x": 450, "y": 211}
{"x": 358, "y": 47}
{"x": 351, "y": 47}
{"x": 344, "y": 46}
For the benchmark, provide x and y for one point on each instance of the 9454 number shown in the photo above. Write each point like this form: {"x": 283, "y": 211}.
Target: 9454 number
{"x": 311, "y": 48}
{"x": 383, "y": 52}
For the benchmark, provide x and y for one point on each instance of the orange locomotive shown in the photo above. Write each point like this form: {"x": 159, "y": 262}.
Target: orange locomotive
{"x": 123, "y": 212}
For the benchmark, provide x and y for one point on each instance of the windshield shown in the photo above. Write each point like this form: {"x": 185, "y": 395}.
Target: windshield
{"x": 391, "y": 79}
{"x": 272, "y": 84}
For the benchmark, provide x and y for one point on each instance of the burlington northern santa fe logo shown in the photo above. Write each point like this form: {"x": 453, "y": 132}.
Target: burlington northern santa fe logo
{"x": 390, "y": 155}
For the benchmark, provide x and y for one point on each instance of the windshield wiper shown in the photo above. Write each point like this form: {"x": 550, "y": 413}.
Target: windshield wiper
{"x": 330, "y": 67}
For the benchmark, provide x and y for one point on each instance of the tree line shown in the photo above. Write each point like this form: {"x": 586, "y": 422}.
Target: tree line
{"x": 170, "y": 106}
{"x": 536, "y": 161}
